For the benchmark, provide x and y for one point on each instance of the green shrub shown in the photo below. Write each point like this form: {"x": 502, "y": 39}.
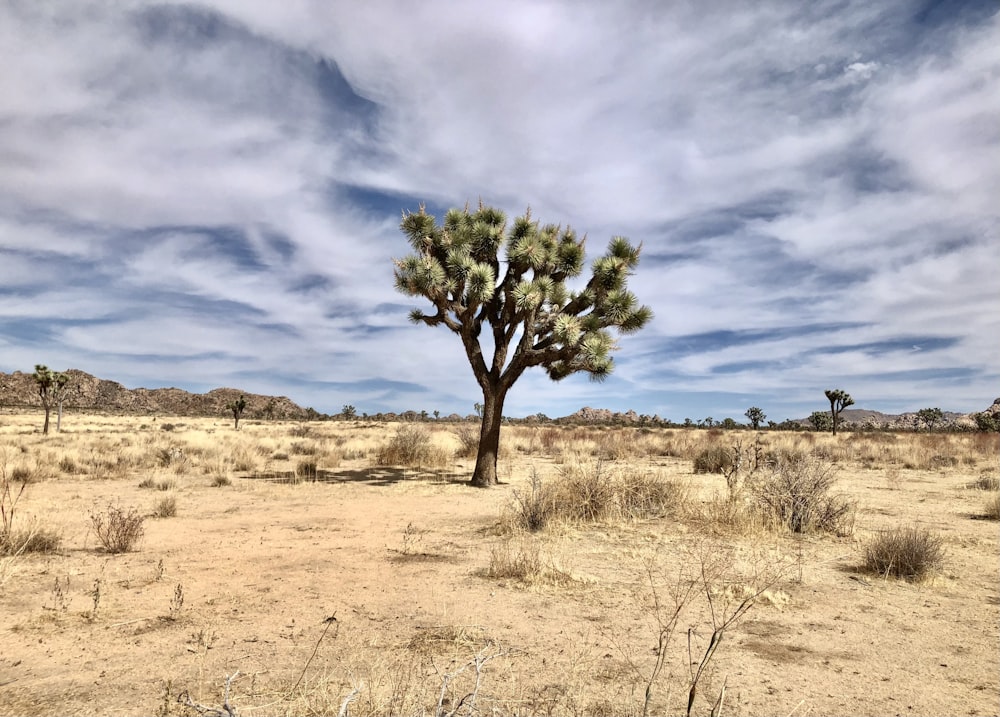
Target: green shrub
{"x": 908, "y": 553}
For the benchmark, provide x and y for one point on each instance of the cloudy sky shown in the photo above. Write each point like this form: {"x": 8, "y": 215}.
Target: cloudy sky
{"x": 204, "y": 195}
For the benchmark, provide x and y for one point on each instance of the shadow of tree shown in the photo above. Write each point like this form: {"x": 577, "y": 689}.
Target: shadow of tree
{"x": 375, "y": 475}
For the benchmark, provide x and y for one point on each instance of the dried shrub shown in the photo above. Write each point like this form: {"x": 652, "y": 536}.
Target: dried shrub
{"x": 985, "y": 482}
{"x": 306, "y": 470}
{"x": 714, "y": 459}
{"x": 468, "y": 439}
{"x": 68, "y": 465}
{"x": 117, "y": 529}
{"x": 534, "y": 508}
{"x": 797, "y": 495}
{"x": 303, "y": 448}
{"x": 647, "y": 494}
{"x": 30, "y": 540}
{"x": 22, "y": 474}
{"x": 586, "y": 492}
{"x": 592, "y": 492}
{"x": 166, "y": 507}
{"x": 220, "y": 480}
{"x": 521, "y": 560}
{"x": 411, "y": 446}
{"x": 908, "y": 553}
{"x": 991, "y": 511}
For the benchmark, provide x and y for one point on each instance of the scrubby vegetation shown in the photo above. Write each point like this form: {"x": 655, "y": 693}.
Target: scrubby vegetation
{"x": 575, "y": 591}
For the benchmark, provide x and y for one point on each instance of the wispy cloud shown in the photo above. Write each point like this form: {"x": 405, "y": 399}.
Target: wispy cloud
{"x": 209, "y": 194}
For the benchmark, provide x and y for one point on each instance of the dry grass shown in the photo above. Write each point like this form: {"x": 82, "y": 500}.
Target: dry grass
{"x": 596, "y": 491}
{"x": 610, "y": 494}
{"x": 909, "y": 553}
{"x": 166, "y": 507}
{"x": 413, "y": 447}
{"x": 991, "y": 510}
{"x": 118, "y": 530}
{"x": 522, "y": 559}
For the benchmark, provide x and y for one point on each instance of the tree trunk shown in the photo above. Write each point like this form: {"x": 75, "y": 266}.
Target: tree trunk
{"x": 485, "y": 474}
{"x": 59, "y": 418}
{"x": 45, "y": 428}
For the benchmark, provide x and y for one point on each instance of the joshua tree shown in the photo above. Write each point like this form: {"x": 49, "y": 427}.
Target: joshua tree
{"x": 756, "y": 416}
{"x": 839, "y": 400}
{"x": 51, "y": 389}
{"x": 349, "y": 412}
{"x": 930, "y": 416}
{"x": 530, "y": 316}
{"x": 237, "y": 407}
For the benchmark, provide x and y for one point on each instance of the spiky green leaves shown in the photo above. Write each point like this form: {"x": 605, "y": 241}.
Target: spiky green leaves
{"x": 457, "y": 267}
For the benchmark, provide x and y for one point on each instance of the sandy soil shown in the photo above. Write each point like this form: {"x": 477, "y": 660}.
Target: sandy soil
{"x": 246, "y": 576}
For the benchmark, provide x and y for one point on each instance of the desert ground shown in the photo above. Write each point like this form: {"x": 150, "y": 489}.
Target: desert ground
{"x": 346, "y": 568}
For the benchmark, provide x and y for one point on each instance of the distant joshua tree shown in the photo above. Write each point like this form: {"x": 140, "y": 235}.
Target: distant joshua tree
{"x": 930, "y": 417}
{"x": 839, "y": 400}
{"x": 756, "y": 416}
{"x": 349, "y": 412}
{"x": 51, "y": 389}
{"x": 237, "y": 407}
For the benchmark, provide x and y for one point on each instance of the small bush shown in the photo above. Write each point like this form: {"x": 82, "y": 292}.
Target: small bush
{"x": 220, "y": 480}
{"x": 908, "y": 553}
{"x": 32, "y": 540}
{"x": 306, "y": 470}
{"x": 22, "y": 474}
{"x": 586, "y": 492}
{"x": 166, "y": 507}
{"x": 411, "y": 446}
{"x": 797, "y": 495}
{"x": 713, "y": 460}
{"x": 468, "y": 438}
{"x": 303, "y": 448}
{"x": 68, "y": 465}
{"x": 162, "y": 485}
{"x": 533, "y": 508}
{"x": 992, "y": 508}
{"x": 985, "y": 482}
{"x": 521, "y": 560}
{"x": 645, "y": 494}
{"x": 118, "y": 530}
{"x": 167, "y": 427}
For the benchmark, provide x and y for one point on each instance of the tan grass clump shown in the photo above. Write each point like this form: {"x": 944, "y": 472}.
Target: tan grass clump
{"x": 797, "y": 495}
{"x": 521, "y": 559}
{"x": 991, "y": 511}
{"x": 166, "y": 507}
{"x": 595, "y": 492}
{"x": 117, "y": 529}
{"x": 412, "y": 446}
{"x": 908, "y": 553}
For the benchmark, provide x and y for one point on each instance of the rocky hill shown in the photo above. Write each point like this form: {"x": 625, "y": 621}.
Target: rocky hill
{"x": 86, "y": 392}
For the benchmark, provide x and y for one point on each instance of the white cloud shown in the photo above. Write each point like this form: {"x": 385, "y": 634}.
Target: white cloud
{"x": 877, "y": 157}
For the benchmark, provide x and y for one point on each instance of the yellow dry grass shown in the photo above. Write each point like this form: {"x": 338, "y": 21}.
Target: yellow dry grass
{"x": 429, "y": 594}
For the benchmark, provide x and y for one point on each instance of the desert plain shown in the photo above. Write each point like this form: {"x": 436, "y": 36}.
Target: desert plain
{"x": 345, "y": 567}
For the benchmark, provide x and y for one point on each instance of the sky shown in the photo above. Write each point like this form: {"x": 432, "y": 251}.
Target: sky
{"x": 209, "y": 194}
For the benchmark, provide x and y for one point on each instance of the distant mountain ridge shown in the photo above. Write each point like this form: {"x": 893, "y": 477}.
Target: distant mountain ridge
{"x": 852, "y": 418}
{"x": 91, "y": 393}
